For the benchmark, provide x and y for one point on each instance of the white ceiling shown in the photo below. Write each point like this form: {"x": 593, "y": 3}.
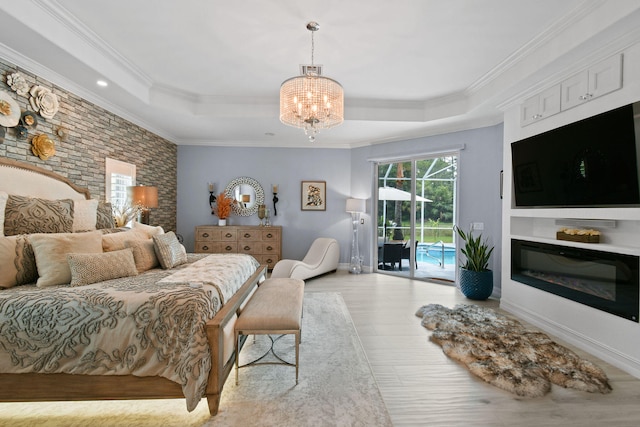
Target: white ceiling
{"x": 209, "y": 72}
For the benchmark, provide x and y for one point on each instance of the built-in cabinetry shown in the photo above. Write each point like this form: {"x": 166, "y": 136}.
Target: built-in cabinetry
{"x": 263, "y": 243}
{"x": 619, "y": 227}
{"x": 602, "y": 78}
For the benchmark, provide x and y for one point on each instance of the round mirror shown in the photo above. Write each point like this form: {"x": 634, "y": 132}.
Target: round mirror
{"x": 246, "y": 193}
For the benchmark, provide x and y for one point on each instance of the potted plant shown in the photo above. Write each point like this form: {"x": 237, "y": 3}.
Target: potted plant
{"x": 223, "y": 208}
{"x": 476, "y": 280}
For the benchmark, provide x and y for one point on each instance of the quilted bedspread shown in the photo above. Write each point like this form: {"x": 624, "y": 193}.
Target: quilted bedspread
{"x": 152, "y": 324}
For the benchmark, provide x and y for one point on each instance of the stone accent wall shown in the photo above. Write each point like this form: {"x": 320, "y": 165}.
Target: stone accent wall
{"x": 94, "y": 134}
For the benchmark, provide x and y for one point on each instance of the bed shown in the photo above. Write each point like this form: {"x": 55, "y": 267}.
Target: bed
{"x": 150, "y": 333}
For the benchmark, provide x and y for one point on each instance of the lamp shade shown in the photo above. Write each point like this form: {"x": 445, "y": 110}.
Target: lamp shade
{"x": 145, "y": 196}
{"x": 356, "y": 205}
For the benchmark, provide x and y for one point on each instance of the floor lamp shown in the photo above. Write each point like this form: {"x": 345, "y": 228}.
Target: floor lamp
{"x": 355, "y": 207}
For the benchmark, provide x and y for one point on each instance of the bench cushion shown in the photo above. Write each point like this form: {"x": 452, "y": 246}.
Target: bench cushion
{"x": 276, "y": 305}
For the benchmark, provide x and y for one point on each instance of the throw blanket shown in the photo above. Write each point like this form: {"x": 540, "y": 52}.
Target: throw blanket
{"x": 140, "y": 325}
{"x": 502, "y": 352}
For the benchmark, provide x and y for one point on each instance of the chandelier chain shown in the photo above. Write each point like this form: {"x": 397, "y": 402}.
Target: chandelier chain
{"x": 312, "y": 48}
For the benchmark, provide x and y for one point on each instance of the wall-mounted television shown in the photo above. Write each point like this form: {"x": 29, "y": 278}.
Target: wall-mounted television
{"x": 592, "y": 162}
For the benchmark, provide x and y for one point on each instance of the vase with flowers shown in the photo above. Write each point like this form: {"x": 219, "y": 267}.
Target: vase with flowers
{"x": 223, "y": 208}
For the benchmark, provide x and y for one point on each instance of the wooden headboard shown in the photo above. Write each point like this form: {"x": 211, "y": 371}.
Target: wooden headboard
{"x": 28, "y": 180}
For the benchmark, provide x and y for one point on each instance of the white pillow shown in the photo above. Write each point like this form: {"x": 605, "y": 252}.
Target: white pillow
{"x": 3, "y": 204}
{"x": 51, "y": 249}
{"x": 85, "y": 213}
{"x": 116, "y": 241}
{"x": 149, "y": 229}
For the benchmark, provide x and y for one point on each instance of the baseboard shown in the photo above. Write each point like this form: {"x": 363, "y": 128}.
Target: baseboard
{"x": 606, "y": 353}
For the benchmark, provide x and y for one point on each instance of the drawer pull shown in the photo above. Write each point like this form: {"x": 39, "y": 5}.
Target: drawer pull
{"x": 228, "y": 235}
{"x": 269, "y": 261}
{"x": 228, "y": 248}
{"x": 247, "y": 248}
{"x": 269, "y": 235}
{"x": 205, "y": 234}
{"x": 269, "y": 248}
{"x": 247, "y": 235}
{"x": 205, "y": 248}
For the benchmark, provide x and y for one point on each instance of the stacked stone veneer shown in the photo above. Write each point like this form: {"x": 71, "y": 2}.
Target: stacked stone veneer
{"x": 94, "y": 134}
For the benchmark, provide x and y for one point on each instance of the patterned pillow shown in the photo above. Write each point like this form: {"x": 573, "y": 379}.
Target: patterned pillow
{"x": 144, "y": 254}
{"x": 92, "y": 268}
{"x": 3, "y": 202}
{"x": 26, "y": 215}
{"x": 84, "y": 215}
{"x": 18, "y": 264}
{"x": 115, "y": 241}
{"x": 168, "y": 250}
{"x": 104, "y": 216}
{"x": 51, "y": 252}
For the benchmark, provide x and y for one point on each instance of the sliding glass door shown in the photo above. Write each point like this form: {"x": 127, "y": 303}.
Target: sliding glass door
{"x": 415, "y": 217}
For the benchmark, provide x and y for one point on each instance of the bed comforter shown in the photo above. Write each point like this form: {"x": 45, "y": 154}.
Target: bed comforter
{"x": 152, "y": 324}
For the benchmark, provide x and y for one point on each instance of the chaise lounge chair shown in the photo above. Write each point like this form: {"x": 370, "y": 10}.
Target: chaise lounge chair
{"x": 322, "y": 257}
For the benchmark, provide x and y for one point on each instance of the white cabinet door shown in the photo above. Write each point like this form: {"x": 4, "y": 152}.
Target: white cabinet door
{"x": 602, "y": 78}
{"x": 541, "y": 106}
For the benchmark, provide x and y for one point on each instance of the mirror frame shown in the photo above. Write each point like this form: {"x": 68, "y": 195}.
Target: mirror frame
{"x": 245, "y": 180}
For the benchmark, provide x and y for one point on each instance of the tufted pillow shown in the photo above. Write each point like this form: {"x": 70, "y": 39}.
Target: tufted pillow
{"x": 17, "y": 262}
{"x": 51, "y": 252}
{"x": 149, "y": 229}
{"x": 92, "y": 268}
{"x": 84, "y": 215}
{"x": 104, "y": 216}
{"x": 169, "y": 250}
{"x": 115, "y": 241}
{"x": 144, "y": 254}
{"x": 26, "y": 215}
{"x": 3, "y": 202}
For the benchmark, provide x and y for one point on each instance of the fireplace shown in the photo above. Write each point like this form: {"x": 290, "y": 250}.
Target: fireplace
{"x": 603, "y": 280}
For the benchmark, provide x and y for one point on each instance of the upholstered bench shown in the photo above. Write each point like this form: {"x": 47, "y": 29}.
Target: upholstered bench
{"x": 274, "y": 308}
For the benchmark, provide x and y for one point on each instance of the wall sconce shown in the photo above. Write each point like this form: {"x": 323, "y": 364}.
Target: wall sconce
{"x": 212, "y": 197}
{"x": 145, "y": 197}
{"x": 275, "y": 199}
{"x": 355, "y": 207}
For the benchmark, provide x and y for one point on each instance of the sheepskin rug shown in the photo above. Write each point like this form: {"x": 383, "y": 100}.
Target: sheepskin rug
{"x": 502, "y": 352}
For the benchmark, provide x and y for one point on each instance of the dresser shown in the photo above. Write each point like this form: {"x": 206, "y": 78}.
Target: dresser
{"x": 263, "y": 243}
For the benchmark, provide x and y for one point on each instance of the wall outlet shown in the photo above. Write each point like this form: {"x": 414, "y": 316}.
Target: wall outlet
{"x": 361, "y": 220}
{"x": 477, "y": 225}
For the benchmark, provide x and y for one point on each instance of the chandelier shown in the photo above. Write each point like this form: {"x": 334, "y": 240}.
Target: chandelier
{"x": 311, "y": 101}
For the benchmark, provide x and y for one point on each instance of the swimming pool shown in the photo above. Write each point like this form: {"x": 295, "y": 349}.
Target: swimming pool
{"x": 435, "y": 254}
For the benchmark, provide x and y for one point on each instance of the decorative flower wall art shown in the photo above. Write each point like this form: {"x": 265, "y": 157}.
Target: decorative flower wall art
{"x": 9, "y": 110}
{"x": 43, "y": 101}
{"x": 42, "y": 146}
{"x": 18, "y": 83}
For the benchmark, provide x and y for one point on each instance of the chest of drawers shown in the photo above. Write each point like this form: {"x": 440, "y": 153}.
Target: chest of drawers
{"x": 263, "y": 243}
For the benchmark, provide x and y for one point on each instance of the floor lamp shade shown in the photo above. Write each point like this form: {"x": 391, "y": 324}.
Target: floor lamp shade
{"x": 356, "y": 205}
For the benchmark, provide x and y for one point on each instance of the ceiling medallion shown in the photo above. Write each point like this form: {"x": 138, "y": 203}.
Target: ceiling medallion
{"x": 311, "y": 101}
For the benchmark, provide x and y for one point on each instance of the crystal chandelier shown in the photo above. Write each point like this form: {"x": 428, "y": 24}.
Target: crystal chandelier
{"x": 311, "y": 101}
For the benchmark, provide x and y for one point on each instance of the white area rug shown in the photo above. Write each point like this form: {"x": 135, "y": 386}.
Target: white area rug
{"x": 336, "y": 387}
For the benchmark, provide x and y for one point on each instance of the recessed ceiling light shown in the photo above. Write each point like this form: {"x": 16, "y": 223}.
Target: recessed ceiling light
{"x": 102, "y": 83}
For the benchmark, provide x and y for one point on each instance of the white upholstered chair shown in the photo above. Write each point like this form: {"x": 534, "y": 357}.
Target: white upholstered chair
{"x": 322, "y": 257}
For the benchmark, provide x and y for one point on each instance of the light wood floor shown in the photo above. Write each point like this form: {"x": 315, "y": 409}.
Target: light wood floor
{"x": 423, "y": 387}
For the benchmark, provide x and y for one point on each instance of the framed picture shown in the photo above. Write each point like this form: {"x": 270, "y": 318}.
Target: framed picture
{"x": 314, "y": 196}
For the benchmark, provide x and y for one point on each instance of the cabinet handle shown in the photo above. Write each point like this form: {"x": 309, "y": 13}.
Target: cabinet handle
{"x": 228, "y": 248}
{"x": 247, "y": 235}
{"x": 537, "y": 116}
{"x": 247, "y": 248}
{"x": 586, "y": 96}
{"x": 269, "y": 235}
{"x": 228, "y": 235}
{"x": 269, "y": 261}
{"x": 269, "y": 248}
{"x": 205, "y": 234}
{"x": 205, "y": 248}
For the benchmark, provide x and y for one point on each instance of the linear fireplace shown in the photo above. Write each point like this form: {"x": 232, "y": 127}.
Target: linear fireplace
{"x": 603, "y": 280}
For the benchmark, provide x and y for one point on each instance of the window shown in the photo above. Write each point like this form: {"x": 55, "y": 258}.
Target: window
{"x": 118, "y": 175}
